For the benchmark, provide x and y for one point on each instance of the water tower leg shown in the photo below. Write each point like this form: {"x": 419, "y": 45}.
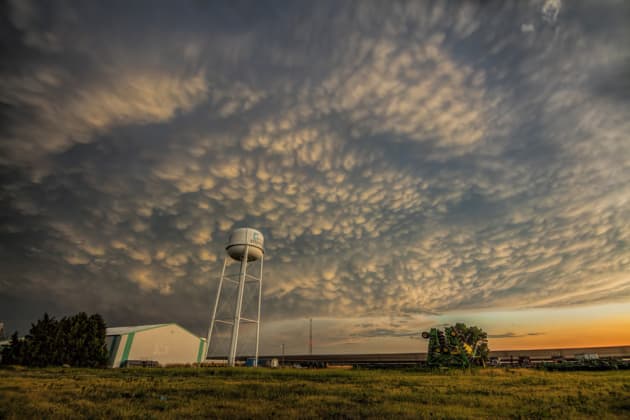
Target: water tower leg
{"x": 216, "y": 305}
{"x": 259, "y": 303}
{"x": 237, "y": 312}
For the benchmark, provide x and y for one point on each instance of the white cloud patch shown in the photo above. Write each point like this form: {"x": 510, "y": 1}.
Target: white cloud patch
{"x": 527, "y": 27}
{"x": 550, "y": 10}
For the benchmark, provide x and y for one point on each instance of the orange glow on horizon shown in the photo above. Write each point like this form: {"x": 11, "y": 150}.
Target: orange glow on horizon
{"x": 571, "y": 327}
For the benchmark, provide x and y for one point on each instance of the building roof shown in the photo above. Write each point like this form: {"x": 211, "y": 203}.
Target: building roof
{"x": 132, "y": 329}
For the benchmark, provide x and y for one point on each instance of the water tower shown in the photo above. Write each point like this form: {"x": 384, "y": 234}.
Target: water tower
{"x": 246, "y": 246}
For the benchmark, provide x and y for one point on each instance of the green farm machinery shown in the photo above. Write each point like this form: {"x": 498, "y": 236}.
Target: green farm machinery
{"x": 456, "y": 346}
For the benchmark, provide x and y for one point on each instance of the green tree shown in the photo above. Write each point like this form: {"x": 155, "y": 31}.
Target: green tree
{"x": 82, "y": 339}
{"x": 97, "y": 347}
{"x": 63, "y": 351}
{"x": 14, "y": 353}
{"x": 78, "y": 340}
{"x": 42, "y": 348}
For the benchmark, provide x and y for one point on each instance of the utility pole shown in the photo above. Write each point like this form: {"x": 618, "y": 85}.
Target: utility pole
{"x": 310, "y": 337}
{"x": 282, "y": 364}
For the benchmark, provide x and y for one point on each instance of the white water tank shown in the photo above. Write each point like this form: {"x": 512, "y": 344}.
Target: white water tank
{"x": 242, "y": 237}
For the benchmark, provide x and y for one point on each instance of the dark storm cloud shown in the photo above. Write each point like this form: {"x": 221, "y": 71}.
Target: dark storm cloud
{"x": 401, "y": 159}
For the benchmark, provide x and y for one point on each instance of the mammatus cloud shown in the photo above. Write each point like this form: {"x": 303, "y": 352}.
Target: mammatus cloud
{"x": 407, "y": 160}
{"x": 550, "y": 10}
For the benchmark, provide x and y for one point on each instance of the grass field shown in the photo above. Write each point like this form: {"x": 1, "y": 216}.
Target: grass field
{"x": 301, "y": 393}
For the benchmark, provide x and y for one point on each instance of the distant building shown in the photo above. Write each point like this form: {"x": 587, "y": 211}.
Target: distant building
{"x": 166, "y": 344}
{"x": 587, "y": 356}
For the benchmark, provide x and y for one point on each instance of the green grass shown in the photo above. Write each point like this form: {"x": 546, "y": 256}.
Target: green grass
{"x": 300, "y": 393}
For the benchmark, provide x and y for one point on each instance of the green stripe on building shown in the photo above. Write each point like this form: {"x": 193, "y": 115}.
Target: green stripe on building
{"x": 127, "y": 349}
{"x": 200, "y": 352}
{"x": 113, "y": 351}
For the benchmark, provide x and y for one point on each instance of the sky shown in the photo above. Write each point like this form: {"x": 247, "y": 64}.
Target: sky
{"x": 410, "y": 164}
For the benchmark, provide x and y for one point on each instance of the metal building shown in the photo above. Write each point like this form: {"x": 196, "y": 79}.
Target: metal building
{"x": 166, "y": 344}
